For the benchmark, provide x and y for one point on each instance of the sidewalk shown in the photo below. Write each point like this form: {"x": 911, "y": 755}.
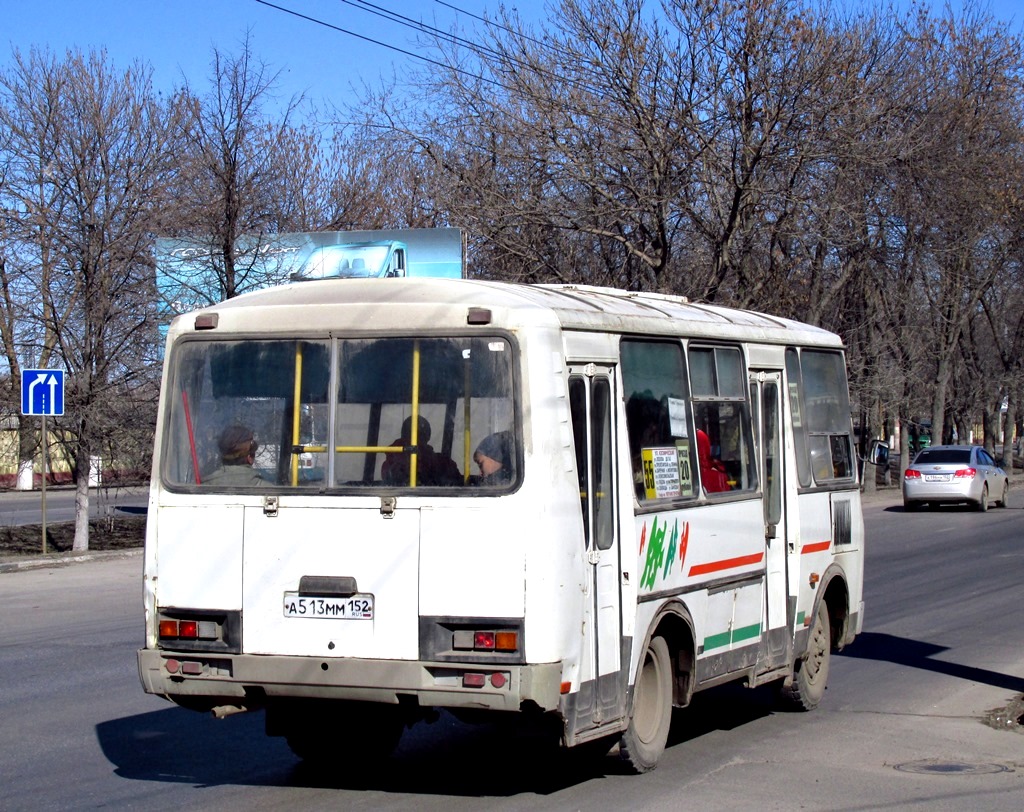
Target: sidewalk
{"x": 19, "y": 563}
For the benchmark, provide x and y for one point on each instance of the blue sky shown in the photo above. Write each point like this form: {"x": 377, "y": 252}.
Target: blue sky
{"x": 176, "y": 36}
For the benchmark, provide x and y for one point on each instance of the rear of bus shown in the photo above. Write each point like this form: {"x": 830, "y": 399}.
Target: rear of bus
{"x": 359, "y": 562}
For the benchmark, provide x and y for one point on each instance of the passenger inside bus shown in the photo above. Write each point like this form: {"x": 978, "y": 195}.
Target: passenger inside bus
{"x": 494, "y": 457}
{"x": 712, "y": 471}
{"x": 432, "y": 468}
{"x": 237, "y": 447}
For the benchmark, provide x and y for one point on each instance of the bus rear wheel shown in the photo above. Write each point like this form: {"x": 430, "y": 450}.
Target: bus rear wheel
{"x": 645, "y": 738}
{"x": 805, "y": 689}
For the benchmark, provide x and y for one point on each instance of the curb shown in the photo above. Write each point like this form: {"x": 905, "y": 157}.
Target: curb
{"x": 63, "y": 559}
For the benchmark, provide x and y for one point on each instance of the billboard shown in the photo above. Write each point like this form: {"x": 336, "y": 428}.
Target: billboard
{"x": 190, "y": 272}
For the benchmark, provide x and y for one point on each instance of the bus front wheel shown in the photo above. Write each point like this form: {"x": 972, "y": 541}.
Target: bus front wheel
{"x": 805, "y": 689}
{"x": 645, "y": 738}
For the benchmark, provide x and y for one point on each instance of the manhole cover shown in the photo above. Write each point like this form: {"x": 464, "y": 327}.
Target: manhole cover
{"x": 933, "y": 766}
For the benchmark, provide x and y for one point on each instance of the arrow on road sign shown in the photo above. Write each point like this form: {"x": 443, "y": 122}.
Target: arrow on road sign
{"x": 42, "y": 392}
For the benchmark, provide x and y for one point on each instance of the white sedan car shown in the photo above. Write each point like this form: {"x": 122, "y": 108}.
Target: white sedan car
{"x": 954, "y": 473}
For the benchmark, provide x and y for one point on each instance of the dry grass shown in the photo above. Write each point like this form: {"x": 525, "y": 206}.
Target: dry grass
{"x": 116, "y": 533}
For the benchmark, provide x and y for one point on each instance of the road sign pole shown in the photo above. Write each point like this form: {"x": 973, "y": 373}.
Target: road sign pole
{"x": 42, "y": 394}
{"x": 43, "y": 485}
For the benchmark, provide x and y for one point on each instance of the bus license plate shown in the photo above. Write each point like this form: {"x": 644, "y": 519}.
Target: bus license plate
{"x": 354, "y": 607}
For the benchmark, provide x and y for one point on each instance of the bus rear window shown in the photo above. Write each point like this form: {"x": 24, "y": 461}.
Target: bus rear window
{"x": 352, "y": 413}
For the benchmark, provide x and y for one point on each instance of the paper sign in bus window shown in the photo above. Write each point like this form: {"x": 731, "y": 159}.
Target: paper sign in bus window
{"x": 677, "y": 417}
{"x": 685, "y": 477}
{"x": 661, "y": 472}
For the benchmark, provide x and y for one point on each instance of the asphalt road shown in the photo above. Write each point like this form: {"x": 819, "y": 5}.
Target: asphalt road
{"x": 26, "y": 507}
{"x": 900, "y": 726}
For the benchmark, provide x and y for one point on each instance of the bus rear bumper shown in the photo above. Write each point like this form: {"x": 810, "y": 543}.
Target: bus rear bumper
{"x": 246, "y": 681}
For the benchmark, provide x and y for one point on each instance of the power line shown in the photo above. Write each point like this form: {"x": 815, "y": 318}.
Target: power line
{"x": 476, "y": 48}
{"x": 373, "y": 41}
{"x": 470, "y": 45}
{"x": 492, "y": 24}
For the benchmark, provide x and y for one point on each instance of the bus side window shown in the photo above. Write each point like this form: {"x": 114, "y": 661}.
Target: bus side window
{"x": 721, "y": 412}
{"x": 827, "y": 415}
{"x": 796, "y": 411}
{"x": 662, "y": 444}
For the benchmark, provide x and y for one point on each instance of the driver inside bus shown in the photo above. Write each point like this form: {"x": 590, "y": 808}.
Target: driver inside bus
{"x": 237, "y": 447}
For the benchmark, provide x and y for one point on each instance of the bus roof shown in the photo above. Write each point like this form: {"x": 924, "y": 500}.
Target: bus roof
{"x": 432, "y": 304}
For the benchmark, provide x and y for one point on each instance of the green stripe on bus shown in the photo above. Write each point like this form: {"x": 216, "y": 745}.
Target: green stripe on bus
{"x": 737, "y": 636}
{"x": 746, "y": 633}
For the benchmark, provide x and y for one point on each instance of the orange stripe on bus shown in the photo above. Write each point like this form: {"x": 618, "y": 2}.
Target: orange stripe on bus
{"x": 726, "y": 564}
{"x": 818, "y": 547}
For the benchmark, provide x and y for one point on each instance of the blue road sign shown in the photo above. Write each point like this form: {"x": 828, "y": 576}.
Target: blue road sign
{"x": 42, "y": 392}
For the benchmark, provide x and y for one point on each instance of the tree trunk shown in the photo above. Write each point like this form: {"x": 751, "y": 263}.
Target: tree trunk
{"x": 26, "y": 454}
{"x": 81, "y": 542}
{"x": 1009, "y": 426}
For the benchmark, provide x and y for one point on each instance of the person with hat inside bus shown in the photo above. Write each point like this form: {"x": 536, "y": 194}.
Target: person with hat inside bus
{"x": 237, "y": 447}
{"x": 494, "y": 457}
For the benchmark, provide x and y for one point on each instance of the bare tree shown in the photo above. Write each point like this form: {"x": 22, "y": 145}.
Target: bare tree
{"x": 94, "y": 145}
{"x": 567, "y": 150}
{"x": 234, "y": 140}
{"x": 28, "y": 121}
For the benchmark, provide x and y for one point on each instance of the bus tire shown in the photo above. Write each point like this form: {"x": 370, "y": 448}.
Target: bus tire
{"x": 644, "y": 740}
{"x": 805, "y": 689}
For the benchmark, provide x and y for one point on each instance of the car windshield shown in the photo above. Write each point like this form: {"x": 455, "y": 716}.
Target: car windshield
{"x": 935, "y": 456}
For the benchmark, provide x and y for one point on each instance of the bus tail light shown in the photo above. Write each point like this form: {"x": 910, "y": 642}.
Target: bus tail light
{"x": 476, "y": 679}
{"x": 188, "y": 629}
{"x": 486, "y": 640}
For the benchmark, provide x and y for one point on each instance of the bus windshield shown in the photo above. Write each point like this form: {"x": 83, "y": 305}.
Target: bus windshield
{"x": 343, "y": 413}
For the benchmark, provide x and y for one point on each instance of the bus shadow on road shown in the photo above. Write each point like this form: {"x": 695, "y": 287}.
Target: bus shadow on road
{"x": 919, "y": 654}
{"x": 725, "y": 707}
{"x": 176, "y": 745}
{"x": 443, "y": 758}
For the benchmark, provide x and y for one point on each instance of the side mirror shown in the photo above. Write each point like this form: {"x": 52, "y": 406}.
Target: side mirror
{"x": 879, "y": 453}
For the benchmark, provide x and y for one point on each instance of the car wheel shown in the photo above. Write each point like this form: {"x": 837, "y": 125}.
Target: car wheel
{"x": 983, "y": 501}
{"x": 1002, "y": 499}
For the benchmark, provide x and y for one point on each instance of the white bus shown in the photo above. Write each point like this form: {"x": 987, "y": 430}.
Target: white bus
{"x": 374, "y": 499}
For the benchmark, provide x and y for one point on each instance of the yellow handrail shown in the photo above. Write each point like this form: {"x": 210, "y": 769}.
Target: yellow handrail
{"x": 296, "y": 412}
{"x": 414, "y": 435}
{"x": 466, "y": 451}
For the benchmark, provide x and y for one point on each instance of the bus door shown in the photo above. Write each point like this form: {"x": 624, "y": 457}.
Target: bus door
{"x": 591, "y": 399}
{"x": 766, "y": 396}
